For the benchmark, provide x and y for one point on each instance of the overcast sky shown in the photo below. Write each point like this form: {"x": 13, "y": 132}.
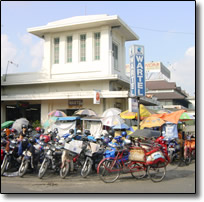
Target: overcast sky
{"x": 166, "y": 29}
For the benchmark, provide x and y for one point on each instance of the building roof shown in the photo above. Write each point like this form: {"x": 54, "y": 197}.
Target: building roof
{"x": 84, "y": 22}
{"x": 160, "y": 85}
{"x": 169, "y": 95}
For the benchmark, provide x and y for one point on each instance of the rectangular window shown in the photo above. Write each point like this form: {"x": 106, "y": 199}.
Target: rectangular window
{"x": 69, "y": 49}
{"x": 83, "y": 47}
{"x": 115, "y": 54}
{"x": 97, "y": 37}
{"x": 56, "y": 50}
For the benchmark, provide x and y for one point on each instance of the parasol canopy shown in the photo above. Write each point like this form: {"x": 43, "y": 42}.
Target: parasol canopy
{"x": 85, "y": 112}
{"x": 18, "y": 124}
{"x": 112, "y": 120}
{"x": 150, "y": 122}
{"x": 144, "y": 112}
{"x": 111, "y": 112}
{"x": 57, "y": 113}
{"x": 171, "y": 117}
{"x": 121, "y": 126}
{"x": 6, "y": 124}
{"x": 186, "y": 117}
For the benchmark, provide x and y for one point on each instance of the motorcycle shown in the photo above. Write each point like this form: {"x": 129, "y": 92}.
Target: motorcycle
{"x": 10, "y": 159}
{"x": 173, "y": 151}
{"x": 52, "y": 159}
{"x": 30, "y": 157}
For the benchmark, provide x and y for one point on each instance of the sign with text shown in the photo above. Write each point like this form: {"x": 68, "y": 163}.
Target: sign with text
{"x": 137, "y": 71}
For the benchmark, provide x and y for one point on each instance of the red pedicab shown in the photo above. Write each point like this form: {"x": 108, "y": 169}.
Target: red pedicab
{"x": 151, "y": 160}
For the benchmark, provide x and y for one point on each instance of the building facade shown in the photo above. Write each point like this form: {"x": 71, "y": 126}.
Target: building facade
{"x": 81, "y": 55}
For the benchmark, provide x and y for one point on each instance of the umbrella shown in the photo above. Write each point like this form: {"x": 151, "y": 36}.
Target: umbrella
{"x": 18, "y": 124}
{"x": 87, "y": 112}
{"x": 186, "y": 117}
{"x": 50, "y": 121}
{"x": 171, "y": 117}
{"x": 6, "y": 124}
{"x": 150, "y": 122}
{"x": 111, "y": 112}
{"x": 112, "y": 121}
{"x": 57, "y": 113}
{"x": 148, "y": 133}
{"x": 144, "y": 112}
{"x": 121, "y": 126}
{"x": 131, "y": 130}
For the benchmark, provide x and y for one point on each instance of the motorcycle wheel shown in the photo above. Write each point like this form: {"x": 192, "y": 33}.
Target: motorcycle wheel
{"x": 86, "y": 168}
{"x": 3, "y": 165}
{"x": 23, "y": 168}
{"x": 187, "y": 157}
{"x": 43, "y": 168}
{"x": 64, "y": 170}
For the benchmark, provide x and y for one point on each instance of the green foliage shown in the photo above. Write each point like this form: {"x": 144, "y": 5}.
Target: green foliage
{"x": 36, "y": 124}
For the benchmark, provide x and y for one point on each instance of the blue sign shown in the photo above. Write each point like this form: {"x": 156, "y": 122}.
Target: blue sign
{"x": 137, "y": 71}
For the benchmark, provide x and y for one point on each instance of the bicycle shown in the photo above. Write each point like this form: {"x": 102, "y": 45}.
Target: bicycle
{"x": 152, "y": 163}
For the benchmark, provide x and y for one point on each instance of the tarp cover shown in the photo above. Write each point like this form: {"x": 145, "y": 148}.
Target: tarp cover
{"x": 64, "y": 128}
{"x": 146, "y": 133}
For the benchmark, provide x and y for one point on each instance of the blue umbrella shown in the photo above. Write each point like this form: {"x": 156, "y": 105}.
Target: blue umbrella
{"x": 121, "y": 126}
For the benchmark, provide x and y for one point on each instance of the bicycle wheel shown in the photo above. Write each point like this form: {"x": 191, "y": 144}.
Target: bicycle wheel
{"x": 138, "y": 170}
{"x": 109, "y": 170}
{"x": 156, "y": 174}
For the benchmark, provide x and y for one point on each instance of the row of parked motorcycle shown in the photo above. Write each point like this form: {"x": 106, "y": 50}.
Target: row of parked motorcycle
{"x": 70, "y": 152}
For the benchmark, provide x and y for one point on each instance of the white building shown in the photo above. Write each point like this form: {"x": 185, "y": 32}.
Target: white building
{"x": 81, "y": 54}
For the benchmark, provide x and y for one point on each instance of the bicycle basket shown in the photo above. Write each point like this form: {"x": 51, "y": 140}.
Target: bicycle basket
{"x": 137, "y": 154}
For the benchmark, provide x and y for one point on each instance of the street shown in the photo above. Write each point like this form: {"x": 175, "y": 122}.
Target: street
{"x": 177, "y": 180}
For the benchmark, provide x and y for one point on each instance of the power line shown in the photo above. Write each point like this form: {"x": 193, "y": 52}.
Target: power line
{"x": 156, "y": 30}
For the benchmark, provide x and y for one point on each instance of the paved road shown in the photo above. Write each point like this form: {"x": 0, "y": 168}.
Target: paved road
{"x": 177, "y": 180}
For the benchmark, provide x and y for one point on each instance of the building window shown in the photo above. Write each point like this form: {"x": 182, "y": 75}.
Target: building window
{"x": 69, "y": 49}
{"x": 115, "y": 54}
{"x": 83, "y": 47}
{"x": 97, "y": 37}
{"x": 56, "y": 50}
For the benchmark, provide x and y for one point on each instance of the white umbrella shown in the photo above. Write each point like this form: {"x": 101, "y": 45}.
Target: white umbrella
{"x": 111, "y": 112}
{"x": 112, "y": 120}
{"x": 87, "y": 112}
{"x": 18, "y": 124}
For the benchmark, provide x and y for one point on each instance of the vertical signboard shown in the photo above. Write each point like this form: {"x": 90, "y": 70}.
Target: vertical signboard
{"x": 133, "y": 105}
{"x": 97, "y": 97}
{"x": 137, "y": 71}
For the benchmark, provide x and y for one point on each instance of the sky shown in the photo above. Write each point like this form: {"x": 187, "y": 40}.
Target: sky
{"x": 166, "y": 29}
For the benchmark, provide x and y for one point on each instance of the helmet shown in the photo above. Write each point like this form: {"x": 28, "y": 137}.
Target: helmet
{"x": 56, "y": 130}
{"x": 106, "y": 140}
{"x": 49, "y": 131}
{"x": 111, "y": 132}
{"x": 32, "y": 140}
{"x": 45, "y": 138}
{"x": 24, "y": 126}
{"x": 78, "y": 132}
{"x": 42, "y": 130}
{"x": 30, "y": 130}
{"x": 124, "y": 134}
{"x": 38, "y": 129}
{"x": 13, "y": 130}
{"x": 87, "y": 132}
{"x": 71, "y": 131}
{"x": 11, "y": 136}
